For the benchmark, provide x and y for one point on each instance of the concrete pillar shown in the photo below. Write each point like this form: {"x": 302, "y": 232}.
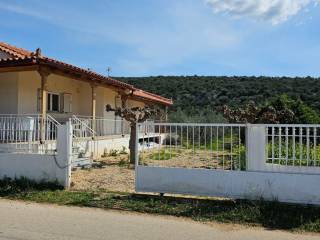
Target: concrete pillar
{"x": 256, "y": 147}
{"x": 64, "y": 156}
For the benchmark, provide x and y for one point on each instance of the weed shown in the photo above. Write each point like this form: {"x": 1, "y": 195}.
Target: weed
{"x": 123, "y": 163}
{"x": 123, "y": 150}
{"x": 113, "y": 153}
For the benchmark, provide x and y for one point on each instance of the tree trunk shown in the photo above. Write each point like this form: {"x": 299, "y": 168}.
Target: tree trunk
{"x": 132, "y": 143}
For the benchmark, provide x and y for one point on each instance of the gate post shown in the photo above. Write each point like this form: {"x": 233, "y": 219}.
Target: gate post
{"x": 136, "y": 146}
{"x": 64, "y": 156}
{"x": 136, "y": 157}
{"x": 255, "y": 147}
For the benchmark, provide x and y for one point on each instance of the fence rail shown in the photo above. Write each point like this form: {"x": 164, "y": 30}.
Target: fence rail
{"x": 22, "y": 133}
{"x": 212, "y": 146}
{"x": 251, "y": 147}
{"x": 293, "y": 145}
{"x": 84, "y": 127}
{"x": 108, "y": 127}
{"x": 246, "y": 161}
{"x": 81, "y": 127}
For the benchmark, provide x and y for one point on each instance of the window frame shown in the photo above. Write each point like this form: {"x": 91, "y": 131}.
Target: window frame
{"x": 50, "y": 101}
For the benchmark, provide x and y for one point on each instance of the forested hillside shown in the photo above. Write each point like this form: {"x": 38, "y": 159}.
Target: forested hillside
{"x": 197, "y": 95}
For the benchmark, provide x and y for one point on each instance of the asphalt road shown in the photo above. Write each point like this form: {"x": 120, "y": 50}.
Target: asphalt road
{"x": 20, "y": 221}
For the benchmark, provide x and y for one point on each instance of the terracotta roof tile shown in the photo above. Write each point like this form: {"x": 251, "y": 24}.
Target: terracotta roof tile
{"x": 12, "y": 50}
{"x": 152, "y": 97}
{"x": 23, "y": 57}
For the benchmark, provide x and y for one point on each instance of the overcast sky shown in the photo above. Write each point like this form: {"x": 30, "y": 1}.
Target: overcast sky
{"x": 171, "y": 37}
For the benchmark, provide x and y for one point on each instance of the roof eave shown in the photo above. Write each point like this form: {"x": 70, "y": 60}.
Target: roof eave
{"x": 26, "y": 61}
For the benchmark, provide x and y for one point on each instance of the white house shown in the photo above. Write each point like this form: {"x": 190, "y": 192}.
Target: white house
{"x": 39, "y": 92}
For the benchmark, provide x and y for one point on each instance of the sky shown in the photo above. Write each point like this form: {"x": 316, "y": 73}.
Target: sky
{"x": 171, "y": 37}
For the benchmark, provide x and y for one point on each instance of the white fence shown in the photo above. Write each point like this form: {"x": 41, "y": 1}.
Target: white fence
{"x": 218, "y": 146}
{"x": 42, "y": 167}
{"x": 103, "y": 127}
{"x": 293, "y": 145}
{"x": 23, "y": 133}
{"x": 275, "y": 162}
{"x": 81, "y": 128}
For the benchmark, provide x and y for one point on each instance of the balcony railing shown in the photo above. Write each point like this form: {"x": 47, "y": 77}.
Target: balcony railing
{"x": 103, "y": 127}
{"x": 24, "y": 132}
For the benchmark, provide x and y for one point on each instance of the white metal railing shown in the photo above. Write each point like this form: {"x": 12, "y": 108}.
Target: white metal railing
{"x": 277, "y": 161}
{"x": 293, "y": 145}
{"x": 102, "y": 127}
{"x": 22, "y": 133}
{"x": 252, "y": 147}
{"x": 211, "y": 146}
{"x": 107, "y": 127}
{"x": 147, "y": 128}
{"x": 81, "y": 127}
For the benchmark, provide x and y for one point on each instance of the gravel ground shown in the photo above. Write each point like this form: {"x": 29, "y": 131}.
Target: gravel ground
{"x": 110, "y": 173}
{"x": 113, "y": 173}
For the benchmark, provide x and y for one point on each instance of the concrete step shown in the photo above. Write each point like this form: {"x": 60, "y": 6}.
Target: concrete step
{"x": 81, "y": 162}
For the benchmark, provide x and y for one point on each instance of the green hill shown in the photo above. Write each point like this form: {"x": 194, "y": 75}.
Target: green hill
{"x": 194, "y": 95}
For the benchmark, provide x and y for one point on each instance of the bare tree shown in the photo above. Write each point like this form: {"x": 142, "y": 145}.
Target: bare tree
{"x": 252, "y": 113}
{"x": 133, "y": 116}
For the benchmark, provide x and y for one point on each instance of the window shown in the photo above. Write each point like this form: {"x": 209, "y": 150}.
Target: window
{"x": 53, "y": 102}
{"x": 56, "y": 102}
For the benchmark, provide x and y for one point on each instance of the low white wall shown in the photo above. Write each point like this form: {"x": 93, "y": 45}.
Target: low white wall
{"x": 101, "y": 145}
{"x": 32, "y": 166}
{"x": 98, "y": 147}
{"x": 42, "y": 167}
{"x": 284, "y": 187}
{"x": 267, "y": 167}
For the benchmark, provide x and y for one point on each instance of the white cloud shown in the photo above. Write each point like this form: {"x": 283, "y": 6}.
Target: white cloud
{"x": 274, "y": 11}
{"x": 24, "y": 11}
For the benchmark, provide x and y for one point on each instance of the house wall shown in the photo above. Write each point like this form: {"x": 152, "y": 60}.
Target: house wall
{"x": 134, "y": 103}
{"x": 8, "y": 93}
{"x": 29, "y": 82}
{"x": 109, "y": 97}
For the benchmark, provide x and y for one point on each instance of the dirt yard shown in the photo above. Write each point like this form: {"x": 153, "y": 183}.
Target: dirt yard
{"x": 111, "y": 173}
{"x": 185, "y": 159}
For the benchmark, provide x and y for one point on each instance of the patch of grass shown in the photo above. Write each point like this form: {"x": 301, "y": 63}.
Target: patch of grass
{"x": 273, "y": 215}
{"x": 123, "y": 162}
{"x": 163, "y": 155}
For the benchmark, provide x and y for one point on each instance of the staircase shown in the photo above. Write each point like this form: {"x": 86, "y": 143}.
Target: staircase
{"x": 79, "y": 158}
{"x": 83, "y": 144}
